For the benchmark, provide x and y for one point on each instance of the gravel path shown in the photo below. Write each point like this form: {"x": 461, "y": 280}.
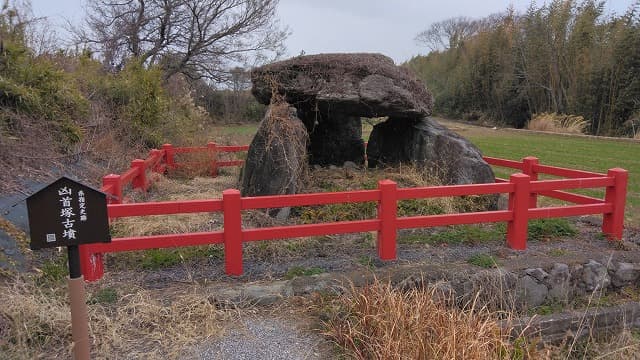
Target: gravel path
{"x": 268, "y": 338}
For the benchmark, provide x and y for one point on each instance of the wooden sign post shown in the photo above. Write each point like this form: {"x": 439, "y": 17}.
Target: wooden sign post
{"x": 68, "y": 213}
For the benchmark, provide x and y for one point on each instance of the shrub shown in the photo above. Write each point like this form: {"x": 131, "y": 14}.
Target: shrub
{"x": 37, "y": 89}
{"x": 559, "y": 123}
{"x": 138, "y": 96}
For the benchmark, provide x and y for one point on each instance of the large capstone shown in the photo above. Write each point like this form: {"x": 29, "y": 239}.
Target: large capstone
{"x": 277, "y": 157}
{"x": 332, "y": 92}
{"x": 426, "y": 143}
{"x": 367, "y": 85}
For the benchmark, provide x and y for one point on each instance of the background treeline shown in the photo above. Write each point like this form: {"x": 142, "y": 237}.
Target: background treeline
{"x": 157, "y": 93}
{"x": 61, "y": 104}
{"x": 566, "y": 57}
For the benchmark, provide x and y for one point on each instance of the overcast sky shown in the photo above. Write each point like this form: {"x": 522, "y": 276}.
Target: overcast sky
{"x": 318, "y": 26}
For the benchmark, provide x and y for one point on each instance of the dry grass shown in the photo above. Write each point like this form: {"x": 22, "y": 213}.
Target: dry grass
{"x": 171, "y": 189}
{"x": 380, "y": 322}
{"x": 558, "y": 123}
{"x": 35, "y": 323}
{"x": 621, "y": 346}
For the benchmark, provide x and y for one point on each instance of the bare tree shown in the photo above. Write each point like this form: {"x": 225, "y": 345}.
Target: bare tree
{"x": 448, "y": 33}
{"x": 198, "y": 38}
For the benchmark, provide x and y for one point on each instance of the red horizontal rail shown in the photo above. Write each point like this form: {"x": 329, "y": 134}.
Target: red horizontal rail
{"x": 190, "y": 149}
{"x": 129, "y": 175}
{"x": 454, "y": 190}
{"x": 454, "y": 219}
{"x": 219, "y": 148}
{"x": 277, "y": 201}
{"x": 565, "y": 184}
{"x": 564, "y": 172}
{"x": 163, "y": 208}
{"x": 570, "y": 197}
{"x": 153, "y": 160}
{"x": 294, "y": 231}
{"x": 107, "y": 189}
{"x": 157, "y": 241}
{"x": 573, "y": 210}
{"x": 503, "y": 162}
{"x": 232, "y": 148}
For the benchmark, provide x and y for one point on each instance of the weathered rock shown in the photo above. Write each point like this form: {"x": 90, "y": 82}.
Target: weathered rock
{"x": 426, "y": 143}
{"x": 277, "y": 157}
{"x": 595, "y": 276}
{"x": 493, "y": 288}
{"x": 368, "y": 85}
{"x": 624, "y": 274}
{"x": 331, "y": 92}
{"x": 537, "y": 273}
{"x": 530, "y": 292}
{"x": 559, "y": 282}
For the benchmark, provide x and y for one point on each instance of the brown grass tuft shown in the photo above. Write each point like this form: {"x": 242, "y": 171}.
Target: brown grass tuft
{"x": 380, "y": 322}
{"x": 558, "y": 123}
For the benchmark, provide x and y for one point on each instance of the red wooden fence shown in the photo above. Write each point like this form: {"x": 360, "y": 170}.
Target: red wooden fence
{"x": 522, "y": 188}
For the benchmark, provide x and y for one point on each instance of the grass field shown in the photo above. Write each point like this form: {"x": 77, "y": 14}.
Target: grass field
{"x": 557, "y": 150}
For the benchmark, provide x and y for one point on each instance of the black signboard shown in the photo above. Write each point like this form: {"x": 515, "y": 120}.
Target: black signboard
{"x": 67, "y": 213}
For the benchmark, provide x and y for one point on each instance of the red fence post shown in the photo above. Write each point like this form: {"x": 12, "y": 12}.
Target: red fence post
{"x": 214, "y": 158}
{"x": 613, "y": 222}
{"x": 140, "y": 181}
{"x": 528, "y": 164}
{"x": 91, "y": 264}
{"x": 387, "y": 214}
{"x": 231, "y": 205}
{"x": 169, "y": 156}
{"x": 519, "y": 205}
{"x": 113, "y": 180}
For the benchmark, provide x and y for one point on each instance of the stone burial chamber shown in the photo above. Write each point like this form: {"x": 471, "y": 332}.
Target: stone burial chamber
{"x": 316, "y": 103}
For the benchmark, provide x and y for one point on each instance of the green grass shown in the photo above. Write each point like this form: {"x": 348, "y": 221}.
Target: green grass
{"x": 54, "y": 270}
{"x": 107, "y": 295}
{"x": 550, "y": 228}
{"x": 153, "y": 259}
{"x": 543, "y": 229}
{"x": 558, "y": 252}
{"x": 572, "y": 152}
{"x": 461, "y": 234}
{"x": 297, "y": 271}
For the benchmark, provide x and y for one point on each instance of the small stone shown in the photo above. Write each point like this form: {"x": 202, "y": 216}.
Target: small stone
{"x": 559, "y": 282}
{"x": 595, "y": 276}
{"x": 624, "y": 274}
{"x": 537, "y": 274}
{"x": 350, "y": 165}
{"x": 530, "y": 292}
{"x": 282, "y": 214}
